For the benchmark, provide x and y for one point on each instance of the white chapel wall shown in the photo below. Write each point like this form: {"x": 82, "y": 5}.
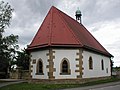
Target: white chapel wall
{"x": 37, "y": 55}
{"x": 70, "y": 54}
{"x": 97, "y": 71}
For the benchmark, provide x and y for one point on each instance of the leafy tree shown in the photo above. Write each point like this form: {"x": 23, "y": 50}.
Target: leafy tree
{"x": 8, "y": 44}
{"x": 112, "y": 68}
{"x": 23, "y": 59}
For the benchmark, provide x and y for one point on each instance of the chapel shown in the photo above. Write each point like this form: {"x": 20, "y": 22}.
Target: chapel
{"x": 64, "y": 49}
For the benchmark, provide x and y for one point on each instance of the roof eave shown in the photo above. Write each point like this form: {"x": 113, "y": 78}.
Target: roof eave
{"x": 30, "y": 48}
{"x": 98, "y": 51}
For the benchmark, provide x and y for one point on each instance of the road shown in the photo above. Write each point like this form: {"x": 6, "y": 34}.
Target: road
{"x": 10, "y": 81}
{"x": 116, "y": 87}
{"x": 107, "y": 86}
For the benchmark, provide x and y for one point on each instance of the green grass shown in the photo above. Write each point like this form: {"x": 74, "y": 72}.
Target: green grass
{"x": 32, "y": 86}
{"x": 29, "y": 86}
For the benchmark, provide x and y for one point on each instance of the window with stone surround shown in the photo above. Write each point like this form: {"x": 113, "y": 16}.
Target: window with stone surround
{"x": 39, "y": 68}
{"x": 65, "y": 67}
{"x": 90, "y": 63}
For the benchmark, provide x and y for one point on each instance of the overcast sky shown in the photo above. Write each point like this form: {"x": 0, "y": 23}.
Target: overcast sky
{"x": 100, "y": 17}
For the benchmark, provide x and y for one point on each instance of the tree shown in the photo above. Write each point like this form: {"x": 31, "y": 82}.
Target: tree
{"x": 8, "y": 44}
{"x": 112, "y": 63}
{"x": 23, "y": 59}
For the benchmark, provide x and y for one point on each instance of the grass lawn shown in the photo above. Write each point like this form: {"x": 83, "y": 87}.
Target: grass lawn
{"x": 31, "y": 86}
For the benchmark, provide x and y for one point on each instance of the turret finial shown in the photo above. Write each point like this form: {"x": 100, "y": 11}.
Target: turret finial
{"x": 78, "y": 15}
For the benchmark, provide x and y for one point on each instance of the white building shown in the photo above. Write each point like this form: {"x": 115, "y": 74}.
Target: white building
{"x": 64, "y": 49}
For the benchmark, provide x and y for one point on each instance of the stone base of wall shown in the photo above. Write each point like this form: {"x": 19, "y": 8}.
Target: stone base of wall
{"x": 67, "y": 81}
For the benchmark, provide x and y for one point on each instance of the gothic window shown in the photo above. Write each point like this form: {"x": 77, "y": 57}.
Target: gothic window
{"x": 90, "y": 63}
{"x": 65, "y": 66}
{"x": 102, "y": 64}
{"x": 39, "y": 67}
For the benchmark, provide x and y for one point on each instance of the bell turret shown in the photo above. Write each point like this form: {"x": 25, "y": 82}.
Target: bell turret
{"x": 78, "y": 15}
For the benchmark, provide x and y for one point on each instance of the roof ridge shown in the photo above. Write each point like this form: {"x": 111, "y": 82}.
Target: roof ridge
{"x": 68, "y": 26}
{"x": 95, "y": 39}
{"x": 51, "y": 21}
{"x": 40, "y": 27}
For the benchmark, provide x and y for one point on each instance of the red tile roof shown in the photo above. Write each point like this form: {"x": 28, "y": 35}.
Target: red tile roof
{"x": 58, "y": 29}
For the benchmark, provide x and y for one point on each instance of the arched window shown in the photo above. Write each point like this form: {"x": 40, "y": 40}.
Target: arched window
{"x": 39, "y": 67}
{"x": 102, "y": 64}
{"x": 65, "y": 66}
{"x": 90, "y": 63}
